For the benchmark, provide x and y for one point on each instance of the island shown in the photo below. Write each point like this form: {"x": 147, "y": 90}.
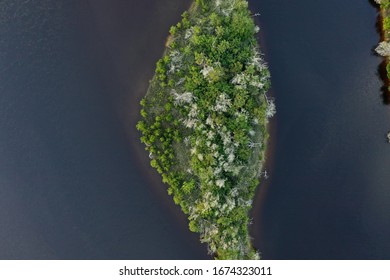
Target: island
{"x": 204, "y": 122}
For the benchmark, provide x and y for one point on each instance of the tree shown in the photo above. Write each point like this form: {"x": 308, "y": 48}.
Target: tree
{"x": 203, "y": 113}
{"x": 180, "y": 99}
{"x": 383, "y": 48}
{"x": 271, "y": 109}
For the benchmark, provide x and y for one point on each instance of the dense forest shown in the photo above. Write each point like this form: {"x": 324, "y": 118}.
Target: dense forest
{"x": 204, "y": 122}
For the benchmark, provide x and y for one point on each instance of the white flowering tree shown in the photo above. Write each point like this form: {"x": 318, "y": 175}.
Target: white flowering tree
{"x": 383, "y": 48}
{"x": 271, "y": 109}
{"x": 180, "y": 99}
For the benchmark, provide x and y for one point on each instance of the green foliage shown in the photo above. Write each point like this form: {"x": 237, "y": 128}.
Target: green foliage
{"x": 193, "y": 226}
{"x": 385, "y": 4}
{"x": 388, "y": 70}
{"x": 385, "y": 12}
{"x": 204, "y": 107}
{"x": 386, "y": 23}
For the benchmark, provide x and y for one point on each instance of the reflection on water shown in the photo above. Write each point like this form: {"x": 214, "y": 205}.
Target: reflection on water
{"x": 385, "y": 93}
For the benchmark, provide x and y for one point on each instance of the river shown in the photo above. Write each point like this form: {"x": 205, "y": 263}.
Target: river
{"x": 72, "y": 185}
{"x": 75, "y": 182}
{"x": 328, "y": 196}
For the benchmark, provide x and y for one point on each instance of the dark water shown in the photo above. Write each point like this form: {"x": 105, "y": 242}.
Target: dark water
{"x": 75, "y": 182}
{"x": 329, "y": 194}
{"x": 71, "y": 183}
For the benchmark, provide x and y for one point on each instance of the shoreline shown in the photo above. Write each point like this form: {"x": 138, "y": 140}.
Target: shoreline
{"x": 156, "y": 116}
{"x": 384, "y": 67}
{"x": 256, "y": 229}
{"x": 155, "y": 186}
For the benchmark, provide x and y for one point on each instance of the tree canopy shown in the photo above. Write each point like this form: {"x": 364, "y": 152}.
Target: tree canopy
{"x": 204, "y": 121}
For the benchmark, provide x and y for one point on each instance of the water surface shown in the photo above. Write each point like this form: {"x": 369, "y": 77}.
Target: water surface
{"x": 75, "y": 182}
{"x": 71, "y": 183}
{"x": 328, "y": 197}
